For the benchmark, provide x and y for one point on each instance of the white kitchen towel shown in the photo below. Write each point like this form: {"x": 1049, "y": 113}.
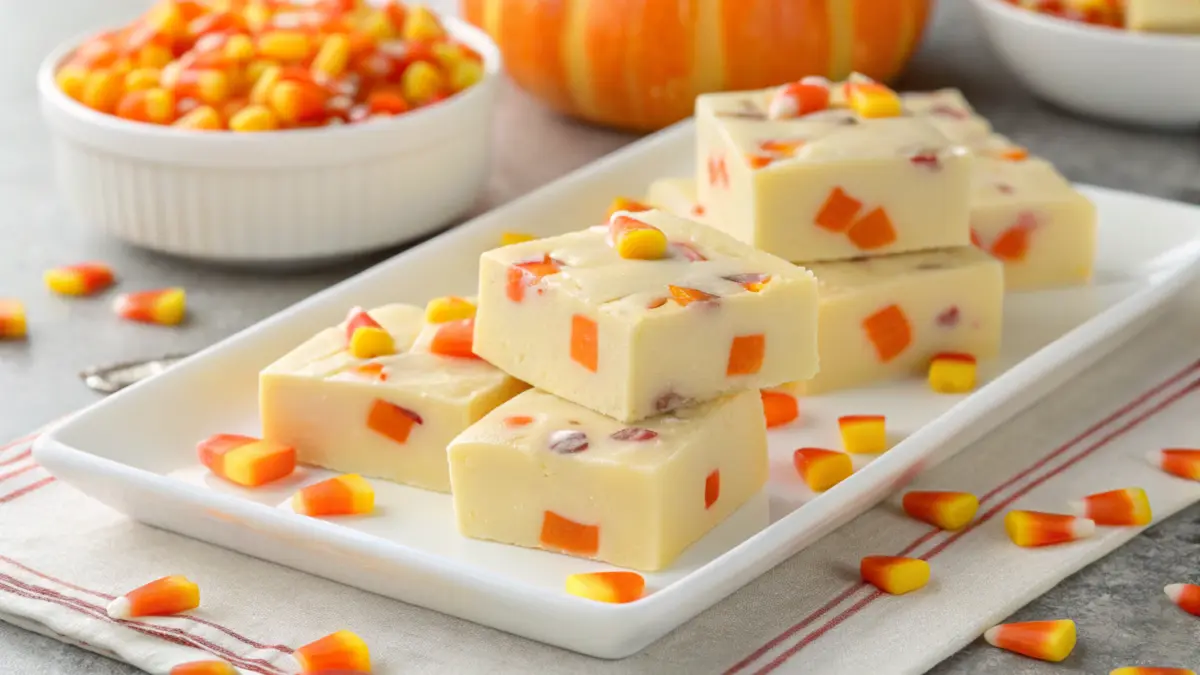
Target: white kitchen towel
{"x": 63, "y": 557}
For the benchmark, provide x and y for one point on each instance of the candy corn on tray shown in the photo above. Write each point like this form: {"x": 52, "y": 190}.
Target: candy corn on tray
{"x": 136, "y": 450}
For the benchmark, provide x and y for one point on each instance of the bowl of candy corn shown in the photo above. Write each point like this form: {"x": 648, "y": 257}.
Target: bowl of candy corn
{"x": 273, "y": 131}
{"x": 1088, "y": 64}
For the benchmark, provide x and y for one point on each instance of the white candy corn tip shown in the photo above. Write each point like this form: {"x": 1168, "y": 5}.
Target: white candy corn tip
{"x": 782, "y": 107}
{"x": 992, "y": 635}
{"x": 1174, "y": 591}
{"x": 1077, "y": 507}
{"x": 1155, "y": 457}
{"x": 353, "y": 311}
{"x": 120, "y": 608}
{"x": 1083, "y": 528}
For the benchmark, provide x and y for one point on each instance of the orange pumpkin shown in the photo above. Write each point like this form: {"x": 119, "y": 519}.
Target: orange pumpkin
{"x": 639, "y": 64}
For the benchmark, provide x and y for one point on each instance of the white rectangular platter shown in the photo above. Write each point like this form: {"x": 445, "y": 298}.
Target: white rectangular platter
{"x": 135, "y": 451}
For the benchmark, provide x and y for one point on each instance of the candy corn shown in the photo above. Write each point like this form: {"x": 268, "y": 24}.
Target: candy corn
{"x": 779, "y": 408}
{"x": 245, "y": 460}
{"x": 510, "y": 238}
{"x": 1128, "y": 506}
{"x": 1147, "y": 670}
{"x": 344, "y": 495}
{"x": 1181, "y": 462}
{"x": 1187, "y": 596}
{"x": 822, "y": 469}
{"x": 636, "y": 240}
{"x": 626, "y": 204}
{"x": 947, "y": 510}
{"x": 449, "y": 308}
{"x": 204, "y": 668}
{"x": 455, "y": 338}
{"x": 81, "y": 279}
{"x": 797, "y": 99}
{"x": 365, "y": 338}
{"x": 166, "y": 306}
{"x": 951, "y": 373}
{"x": 1044, "y": 640}
{"x": 863, "y": 433}
{"x": 166, "y": 596}
{"x": 615, "y": 587}
{"x": 1034, "y": 528}
{"x": 12, "y": 319}
{"x": 894, "y": 574}
{"x": 871, "y": 99}
{"x": 340, "y": 651}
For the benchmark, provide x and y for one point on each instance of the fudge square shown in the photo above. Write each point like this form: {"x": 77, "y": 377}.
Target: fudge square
{"x": 1029, "y": 217}
{"x": 885, "y": 317}
{"x": 546, "y": 473}
{"x": 389, "y": 415}
{"x": 826, "y": 182}
{"x": 699, "y": 314}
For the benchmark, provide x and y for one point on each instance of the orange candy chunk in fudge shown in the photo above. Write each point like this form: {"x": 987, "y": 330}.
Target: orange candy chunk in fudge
{"x": 872, "y": 99}
{"x": 246, "y": 460}
{"x": 163, "y": 597}
{"x": 822, "y": 469}
{"x": 392, "y": 421}
{"x": 797, "y": 99}
{"x": 712, "y": 488}
{"x": 1035, "y": 528}
{"x": 365, "y": 338}
{"x": 614, "y": 587}
{"x": 449, "y": 308}
{"x": 1043, "y": 640}
{"x": 874, "y": 230}
{"x": 526, "y": 274}
{"x": 1182, "y": 462}
{"x": 779, "y": 408}
{"x": 945, "y": 510}
{"x": 865, "y": 434}
{"x": 342, "y": 651}
{"x": 686, "y": 296}
{"x": 895, "y": 575}
{"x": 626, "y": 204}
{"x": 636, "y": 240}
{"x": 166, "y": 306}
{"x": 1127, "y": 506}
{"x": 585, "y": 342}
{"x": 1012, "y": 244}
{"x": 746, "y": 354}
{"x": 12, "y": 319}
{"x": 344, "y": 495}
{"x": 204, "y": 668}
{"x": 838, "y": 212}
{"x": 563, "y": 534}
{"x": 952, "y": 373}
{"x": 454, "y": 338}
{"x": 80, "y": 279}
{"x": 889, "y": 330}
{"x": 1186, "y": 596}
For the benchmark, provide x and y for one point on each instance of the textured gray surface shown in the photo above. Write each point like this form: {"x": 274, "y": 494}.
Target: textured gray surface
{"x": 1118, "y": 602}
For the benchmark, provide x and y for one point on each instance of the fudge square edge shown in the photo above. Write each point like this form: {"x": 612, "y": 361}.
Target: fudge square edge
{"x": 633, "y": 338}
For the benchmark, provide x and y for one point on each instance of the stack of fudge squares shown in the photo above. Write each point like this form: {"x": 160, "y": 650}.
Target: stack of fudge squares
{"x": 646, "y": 341}
{"x": 912, "y": 213}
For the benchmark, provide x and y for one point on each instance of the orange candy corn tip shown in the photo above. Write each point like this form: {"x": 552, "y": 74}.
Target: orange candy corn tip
{"x": 245, "y": 460}
{"x": 82, "y": 279}
{"x": 614, "y": 587}
{"x": 894, "y": 574}
{"x": 779, "y": 408}
{"x": 1043, "y": 640}
{"x": 1147, "y": 670}
{"x": 1187, "y": 596}
{"x": 822, "y": 469}
{"x": 1182, "y": 462}
{"x": 204, "y": 668}
{"x": 863, "y": 433}
{"x": 947, "y": 510}
{"x": 1034, "y": 528}
{"x": 166, "y": 306}
{"x": 168, "y": 595}
{"x": 344, "y": 495}
{"x": 342, "y": 650}
{"x": 1127, "y": 506}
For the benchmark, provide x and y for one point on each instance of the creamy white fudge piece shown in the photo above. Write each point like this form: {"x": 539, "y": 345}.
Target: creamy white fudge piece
{"x": 831, "y": 184}
{"x": 886, "y": 317}
{"x": 1163, "y": 16}
{"x": 949, "y": 111}
{"x": 546, "y": 473}
{"x": 388, "y": 417}
{"x": 1028, "y": 216}
{"x": 678, "y": 196}
{"x": 635, "y": 338}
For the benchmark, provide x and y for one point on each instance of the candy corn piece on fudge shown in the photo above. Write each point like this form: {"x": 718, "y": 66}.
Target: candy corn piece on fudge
{"x": 542, "y": 472}
{"x": 646, "y": 314}
{"x": 390, "y": 412}
{"x": 819, "y": 171}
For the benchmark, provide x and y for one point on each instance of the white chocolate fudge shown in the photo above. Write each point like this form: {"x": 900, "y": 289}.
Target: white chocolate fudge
{"x": 948, "y": 110}
{"x": 1163, "y": 16}
{"x": 829, "y": 185}
{"x": 886, "y": 317}
{"x": 386, "y": 417}
{"x": 545, "y": 473}
{"x": 634, "y": 338}
{"x": 1028, "y": 216}
{"x": 678, "y": 196}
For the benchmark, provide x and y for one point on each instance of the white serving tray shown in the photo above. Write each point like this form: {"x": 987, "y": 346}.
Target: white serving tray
{"x": 135, "y": 450}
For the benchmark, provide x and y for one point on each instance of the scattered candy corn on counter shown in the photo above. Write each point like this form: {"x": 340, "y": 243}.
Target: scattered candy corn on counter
{"x": 265, "y": 65}
{"x": 1151, "y": 16}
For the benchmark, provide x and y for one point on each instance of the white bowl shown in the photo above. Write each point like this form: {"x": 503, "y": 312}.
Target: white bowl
{"x": 1122, "y": 76}
{"x": 295, "y": 195}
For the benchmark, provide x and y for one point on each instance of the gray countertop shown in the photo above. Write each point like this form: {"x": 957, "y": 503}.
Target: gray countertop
{"x": 38, "y": 381}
